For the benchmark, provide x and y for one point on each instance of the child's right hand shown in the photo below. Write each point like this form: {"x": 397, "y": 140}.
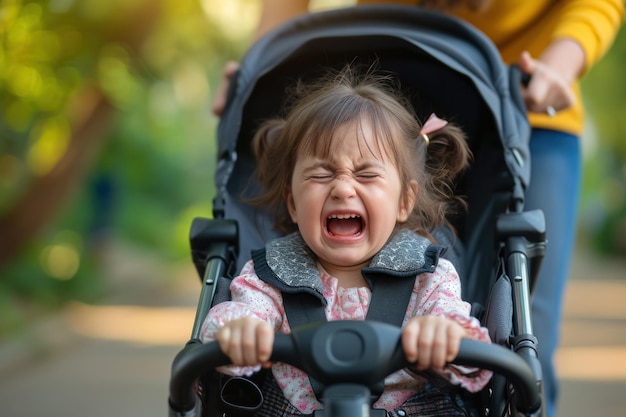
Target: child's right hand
{"x": 431, "y": 341}
{"x": 247, "y": 341}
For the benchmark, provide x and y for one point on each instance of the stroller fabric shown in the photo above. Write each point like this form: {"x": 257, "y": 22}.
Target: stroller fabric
{"x": 449, "y": 67}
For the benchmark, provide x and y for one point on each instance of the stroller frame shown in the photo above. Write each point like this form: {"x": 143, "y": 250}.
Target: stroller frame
{"x": 509, "y": 244}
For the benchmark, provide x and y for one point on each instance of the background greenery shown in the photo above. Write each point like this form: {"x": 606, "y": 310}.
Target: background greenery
{"x": 106, "y": 136}
{"x": 603, "y": 203}
{"x": 125, "y": 86}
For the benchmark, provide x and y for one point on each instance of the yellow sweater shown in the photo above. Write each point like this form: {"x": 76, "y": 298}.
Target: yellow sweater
{"x": 518, "y": 25}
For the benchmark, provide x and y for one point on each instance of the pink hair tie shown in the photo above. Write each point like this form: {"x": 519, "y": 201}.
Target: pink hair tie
{"x": 433, "y": 123}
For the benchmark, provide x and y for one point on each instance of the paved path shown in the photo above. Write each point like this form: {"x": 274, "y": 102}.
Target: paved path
{"x": 591, "y": 361}
{"x": 114, "y": 359}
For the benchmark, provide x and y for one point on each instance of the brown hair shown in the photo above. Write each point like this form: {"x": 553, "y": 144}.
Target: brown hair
{"x": 317, "y": 109}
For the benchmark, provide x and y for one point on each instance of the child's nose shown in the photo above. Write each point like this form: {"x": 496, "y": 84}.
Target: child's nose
{"x": 342, "y": 188}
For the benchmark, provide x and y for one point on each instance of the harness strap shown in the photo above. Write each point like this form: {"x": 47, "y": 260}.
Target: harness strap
{"x": 390, "y": 298}
{"x": 301, "y": 309}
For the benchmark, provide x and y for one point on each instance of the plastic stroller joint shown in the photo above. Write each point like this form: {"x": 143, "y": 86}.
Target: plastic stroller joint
{"x": 213, "y": 238}
{"x": 528, "y": 224}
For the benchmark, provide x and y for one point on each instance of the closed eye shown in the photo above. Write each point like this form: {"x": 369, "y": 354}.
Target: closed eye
{"x": 367, "y": 175}
{"x": 369, "y": 170}
{"x": 320, "y": 176}
{"x": 319, "y": 171}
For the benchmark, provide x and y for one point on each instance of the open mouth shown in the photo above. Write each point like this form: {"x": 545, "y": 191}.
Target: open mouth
{"x": 344, "y": 224}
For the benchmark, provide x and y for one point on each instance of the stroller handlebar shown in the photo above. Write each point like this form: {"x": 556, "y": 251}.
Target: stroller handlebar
{"x": 357, "y": 352}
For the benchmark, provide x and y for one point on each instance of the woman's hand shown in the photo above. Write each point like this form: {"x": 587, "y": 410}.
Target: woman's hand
{"x": 247, "y": 341}
{"x": 431, "y": 341}
{"x": 552, "y": 76}
{"x": 546, "y": 88}
{"x": 219, "y": 101}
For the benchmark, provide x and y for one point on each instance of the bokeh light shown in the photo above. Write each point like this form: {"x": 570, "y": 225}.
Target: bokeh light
{"x": 61, "y": 260}
{"x": 224, "y": 13}
{"x": 49, "y": 143}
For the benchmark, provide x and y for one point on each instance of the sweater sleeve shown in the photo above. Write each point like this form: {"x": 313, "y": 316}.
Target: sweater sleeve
{"x": 592, "y": 23}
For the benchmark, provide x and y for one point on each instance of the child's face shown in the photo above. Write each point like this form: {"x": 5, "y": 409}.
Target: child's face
{"x": 347, "y": 205}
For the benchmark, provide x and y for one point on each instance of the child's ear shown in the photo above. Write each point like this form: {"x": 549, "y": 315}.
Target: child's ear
{"x": 291, "y": 206}
{"x": 407, "y": 202}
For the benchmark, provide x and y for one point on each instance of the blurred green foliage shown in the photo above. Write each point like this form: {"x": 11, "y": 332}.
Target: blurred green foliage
{"x": 603, "y": 201}
{"x": 154, "y": 172}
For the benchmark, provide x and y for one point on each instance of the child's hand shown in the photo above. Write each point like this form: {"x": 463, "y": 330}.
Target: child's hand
{"x": 247, "y": 341}
{"x": 431, "y": 341}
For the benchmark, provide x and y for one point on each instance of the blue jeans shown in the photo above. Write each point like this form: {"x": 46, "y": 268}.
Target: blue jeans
{"x": 554, "y": 188}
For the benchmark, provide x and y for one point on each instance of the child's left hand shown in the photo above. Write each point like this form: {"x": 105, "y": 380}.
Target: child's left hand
{"x": 431, "y": 341}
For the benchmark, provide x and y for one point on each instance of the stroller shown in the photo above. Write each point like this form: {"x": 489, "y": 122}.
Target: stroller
{"x": 458, "y": 74}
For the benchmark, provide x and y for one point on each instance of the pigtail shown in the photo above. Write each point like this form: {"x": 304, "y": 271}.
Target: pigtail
{"x": 262, "y": 143}
{"x": 447, "y": 157}
{"x": 273, "y": 173}
{"x": 448, "y": 154}
{"x": 444, "y": 155}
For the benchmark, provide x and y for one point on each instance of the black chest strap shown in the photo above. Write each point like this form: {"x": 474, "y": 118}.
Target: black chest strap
{"x": 388, "y": 304}
{"x": 390, "y": 299}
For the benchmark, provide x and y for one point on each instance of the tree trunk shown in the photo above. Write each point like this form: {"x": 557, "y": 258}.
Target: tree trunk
{"x": 46, "y": 195}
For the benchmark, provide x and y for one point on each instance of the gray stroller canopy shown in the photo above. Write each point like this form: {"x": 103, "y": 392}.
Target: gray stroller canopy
{"x": 449, "y": 67}
{"x": 456, "y": 70}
